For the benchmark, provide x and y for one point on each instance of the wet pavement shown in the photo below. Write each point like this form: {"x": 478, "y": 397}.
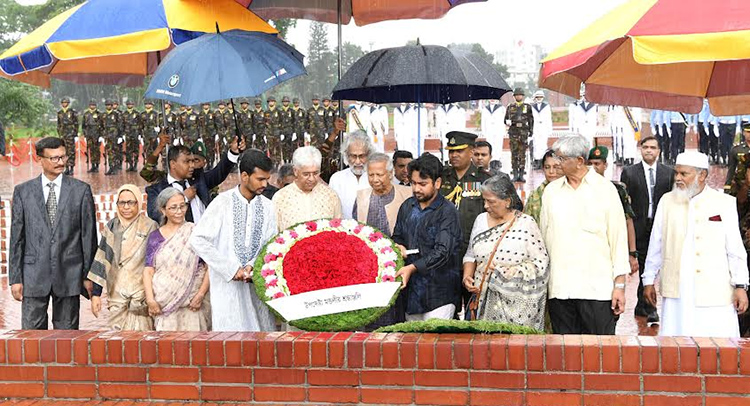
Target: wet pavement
{"x": 103, "y": 186}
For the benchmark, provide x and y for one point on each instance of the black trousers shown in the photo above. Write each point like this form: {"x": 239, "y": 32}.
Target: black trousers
{"x": 702, "y": 138}
{"x": 65, "y": 312}
{"x": 677, "y": 143}
{"x": 726, "y": 139}
{"x": 713, "y": 143}
{"x": 580, "y": 316}
{"x": 666, "y": 144}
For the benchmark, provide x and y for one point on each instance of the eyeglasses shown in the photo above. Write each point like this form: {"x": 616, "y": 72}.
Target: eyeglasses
{"x": 178, "y": 207}
{"x": 127, "y": 203}
{"x": 360, "y": 157}
{"x": 56, "y": 159}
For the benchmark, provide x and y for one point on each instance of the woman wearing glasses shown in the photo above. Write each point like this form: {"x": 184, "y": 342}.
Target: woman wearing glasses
{"x": 119, "y": 262}
{"x": 175, "y": 279}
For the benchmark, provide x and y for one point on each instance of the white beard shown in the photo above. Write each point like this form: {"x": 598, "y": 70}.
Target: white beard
{"x": 689, "y": 191}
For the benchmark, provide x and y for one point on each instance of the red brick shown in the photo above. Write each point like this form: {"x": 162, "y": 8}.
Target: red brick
{"x": 148, "y": 351}
{"x": 553, "y": 399}
{"x": 279, "y": 393}
{"x": 98, "y": 349}
{"x": 3, "y": 354}
{"x": 372, "y": 350}
{"x": 165, "y": 348}
{"x": 337, "y": 395}
{"x": 707, "y": 355}
{"x": 47, "y": 350}
{"x": 387, "y": 377}
{"x": 553, "y": 381}
{"x": 573, "y": 352}
{"x": 649, "y": 354}
{"x": 181, "y": 348}
{"x": 114, "y": 351}
{"x": 216, "y": 349}
{"x": 661, "y": 400}
{"x": 174, "y": 392}
{"x": 123, "y": 391}
{"x": 131, "y": 353}
{"x": 226, "y": 393}
{"x": 279, "y": 376}
{"x": 535, "y": 353}
{"x": 319, "y": 350}
{"x": 728, "y": 356}
{"x": 496, "y": 398}
{"x": 21, "y": 373}
{"x": 441, "y": 378}
{"x": 199, "y": 351}
{"x": 426, "y": 351}
{"x": 726, "y": 384}
{"x": 337, "y": 349}
{"x": 227, "y": 375}
{"x": 71, "y": 390}
{"x": 610, "y": 353}
{"x": 332, "y": 377}
{"x": 389, "y": 348}
{"x": 21, "y": 390}
{"x": 249, "y": 352}
{"x": 497, "y": 380}
{"x": 553, "y": 353}
{"x": 591, "y": 353}
{"x": 66, "y": 373}
{"x": 302, "y": 349}
{"x": 387, "y": 396}
{"x": 233, "y": 351}
{"x": 64, "y": 350}
{"x": 516, "y": 353}
{"x": 669, "y": 355}
{"x": 481, "y": 352}
{"x": 444, "y": 351}
{"x": 688, "y": 354}
{"x": 355, "y": 350}
{"x": 610, "y": 399}
{"x": 726, "y": 401}
{"x": 441, "y": 397}
{"x": 612, "y": 382}
{"x": 285, "y": 349}
{"x": 175, "y": 374}
{"x": 462, "y": 351}
{"x": 671, "y": 383}
{"x": 121, "y": 374}
{"x": 31, "y": 351}
{"x": 408, "y": 350}
{"x": 81, "y": 348}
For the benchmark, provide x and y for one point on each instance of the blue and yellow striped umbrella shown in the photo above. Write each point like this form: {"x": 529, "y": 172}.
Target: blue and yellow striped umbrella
{"x": 118, "y": 42}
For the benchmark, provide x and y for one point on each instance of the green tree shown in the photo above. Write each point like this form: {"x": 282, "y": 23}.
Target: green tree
{"x": 350, "y": 53}
{"x": 16, "y": 20}
{"x": 479, "y": 50}
{"x": 284, "y": 25}
{"x": 22, "y": 104}
{"x": 320, "y": 62}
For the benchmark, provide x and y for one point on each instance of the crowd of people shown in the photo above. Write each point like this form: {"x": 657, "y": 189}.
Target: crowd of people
{"x": 472, "y": 248}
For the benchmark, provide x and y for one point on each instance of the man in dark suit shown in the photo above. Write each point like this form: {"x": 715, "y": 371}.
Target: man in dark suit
{"x": 646, "y": 182}
{"x": 196, "y": 185}
{"x": 52, "y": 241}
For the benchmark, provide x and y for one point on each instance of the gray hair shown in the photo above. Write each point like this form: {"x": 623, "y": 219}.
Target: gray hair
{"x": 286, "y": 170}
{"x": 502, "y": 188}
{"x": 355, "y": 137}
{"x": 163, "y": 198}
{"x": 572, "y": 146}
{"x": 306, "y": 156}
{"x": 380, "y": 157}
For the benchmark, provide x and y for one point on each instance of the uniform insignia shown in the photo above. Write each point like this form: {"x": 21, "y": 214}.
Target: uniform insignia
{"x": 95, "y": 116}
{"x": 597, "y": 152}
{"x": 320, "y": 112}
{"x": 452, "y": 141}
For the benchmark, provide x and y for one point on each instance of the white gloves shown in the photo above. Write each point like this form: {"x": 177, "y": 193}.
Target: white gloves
{"x": 294, "y": 137}
{"x": 119, "y": 140}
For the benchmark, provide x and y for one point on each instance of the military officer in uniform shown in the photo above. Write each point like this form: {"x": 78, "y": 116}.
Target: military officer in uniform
{"x": 738, "y": 161}
{"x": 272, "y": 118}
{"x": 519, "y": 119}
{"x": 190, "y": 126}
{"x": 245, "y": 121}
{"x": 91, "y": 128}
{"x": 258, "y": 119}
{"x": 316, "y": 126}
{"x": 150, "y": 121}
{"x": 67, "y": 129}
{"x": 132, "y": 129}
{"x": 112, "y": 138}
{"x": 222, "y": 119}
{"x": 287, "y": 129}
{"x": 300, "y": 124}
{"x": 207, "y": 132}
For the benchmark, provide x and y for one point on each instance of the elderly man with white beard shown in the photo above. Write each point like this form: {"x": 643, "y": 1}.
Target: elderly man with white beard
{"x": 697, "y": 248}
{"x": 347, "y": 182}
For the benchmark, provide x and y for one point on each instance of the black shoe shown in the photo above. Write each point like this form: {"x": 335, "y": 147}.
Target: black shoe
{"x": 640, "y": 312}
{"x": 521, "y": 179}
{"x": 653, "y": 317}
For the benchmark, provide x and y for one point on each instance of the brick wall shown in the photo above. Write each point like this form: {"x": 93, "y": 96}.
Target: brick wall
{"x": 305, "y": 368}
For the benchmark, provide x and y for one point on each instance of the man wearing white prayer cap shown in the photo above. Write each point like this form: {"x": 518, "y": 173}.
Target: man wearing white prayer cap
{"x": 697, "y": 249}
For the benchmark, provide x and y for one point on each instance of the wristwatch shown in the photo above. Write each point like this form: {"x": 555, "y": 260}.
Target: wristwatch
{"x": 743, "y": 287}
{"x": 633, "y": 254}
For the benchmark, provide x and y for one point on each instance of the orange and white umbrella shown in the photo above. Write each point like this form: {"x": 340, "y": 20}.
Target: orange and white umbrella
{"x": 661, "y": 54}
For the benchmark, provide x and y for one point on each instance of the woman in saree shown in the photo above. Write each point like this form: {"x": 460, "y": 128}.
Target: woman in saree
{"x": 175, "y": 279}
{"x": 506, "y": 264}
{"x": 119, "y": 262}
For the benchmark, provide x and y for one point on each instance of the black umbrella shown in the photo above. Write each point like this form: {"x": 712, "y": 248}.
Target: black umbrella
{"x": 420, "y": 74}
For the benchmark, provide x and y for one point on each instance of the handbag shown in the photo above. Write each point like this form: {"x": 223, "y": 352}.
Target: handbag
{"x": 473, "y": 304}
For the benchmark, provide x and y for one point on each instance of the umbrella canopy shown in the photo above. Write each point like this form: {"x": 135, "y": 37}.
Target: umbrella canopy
{"x": 363, "y": 11}
{"x": 420, "y": 74}
{"x": 664, "y": 54}
{"x": 118, "y": 42}
{"x": 223, "y": 66}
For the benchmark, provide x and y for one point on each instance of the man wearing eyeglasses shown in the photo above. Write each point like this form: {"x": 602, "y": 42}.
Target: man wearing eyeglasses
{"x": 52, "y": 242}
{"x": 347, "y": 182}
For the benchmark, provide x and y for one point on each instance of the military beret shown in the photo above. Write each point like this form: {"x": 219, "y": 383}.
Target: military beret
{"x": 271, "y": 98}
{"x": 746, "y": 127}
{"x": 459, "y": 140}
{"x": 285, "y": 99}
{"x": 198, "y": 148}
{"x": 257, "y": 101}
{"x": 65, "y": 100}
{"x": 519, "y": 92}
{"x": 599, "y": 152}
{"x": 295, "y": 100}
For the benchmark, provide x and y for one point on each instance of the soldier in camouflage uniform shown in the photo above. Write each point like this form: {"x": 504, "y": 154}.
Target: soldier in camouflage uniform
{"x": 171, "y": 129}
{"x": 221, "y": 120}
{"x": 245, "y": 122}
{"x": 258, "y": 121}
{"x": 330, "y": 115}
{"x": 112, "y": 138}
{"x": 67, "y": 129}
{"x": 316, "y": 125}
{"x": 287, "y": 129}
{"x": 738, "y": 158}
{"x": 132, "y": 129}
{"x": 520, "y": 122}
{"x": 149, "y": 121}
{"x": 190, "y": 126}
{"x": 300, "y": 124}
{"x": 272, "y": 119}
{"x": 92, "y": 127}
{"x": 207, "y": 131}
{"x": 181, "y": 117}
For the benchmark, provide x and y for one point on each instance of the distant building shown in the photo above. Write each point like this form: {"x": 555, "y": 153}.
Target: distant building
{"x": 522, "y": 59}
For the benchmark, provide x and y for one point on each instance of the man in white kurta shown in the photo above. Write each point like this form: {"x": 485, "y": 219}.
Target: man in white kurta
{"x": 697, "y": 249}
{"x": 493, "y": 127}
{"x": 229, "y": 237}
{"x": 400, "y": 129}
{"x": 347, "y": 182}
{"x": 542, "y": 127}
